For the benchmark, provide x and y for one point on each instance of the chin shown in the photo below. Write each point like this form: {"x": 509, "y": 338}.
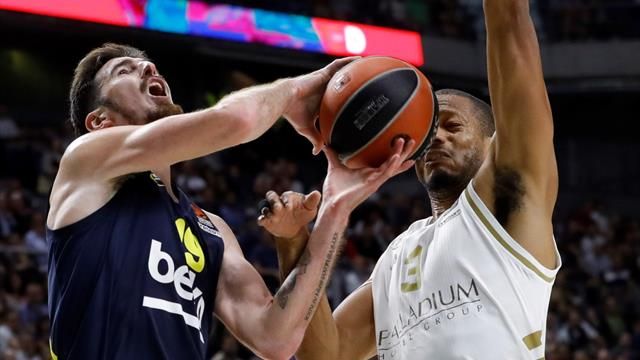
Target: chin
{"x": 440, "y": 179}
{"x": 163, "y": 111}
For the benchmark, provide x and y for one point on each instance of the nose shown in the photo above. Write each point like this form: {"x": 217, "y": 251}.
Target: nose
{"x": 149, "y": 69}
{"x": 438, "y": 139}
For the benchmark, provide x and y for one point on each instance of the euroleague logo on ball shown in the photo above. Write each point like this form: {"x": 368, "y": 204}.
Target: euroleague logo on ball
{"x": 342, "y": 80}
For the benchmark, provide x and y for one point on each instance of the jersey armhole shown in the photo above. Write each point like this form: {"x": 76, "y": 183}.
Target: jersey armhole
{"x": 497, "y": 232}
{"x": 85, "y": 222}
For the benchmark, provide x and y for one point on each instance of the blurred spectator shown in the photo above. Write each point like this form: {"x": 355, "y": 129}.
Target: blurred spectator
{"x": 577, "y": 333}
{"x": 263, "y": 257}
{"x": 189, "y": 178}
{"x": 8, "y": 127}
{"x": 9, "y": 327}
{"x": 35, "y": 240}
{"x": 228, "y": 349}
{"x": 8, "y": 223}
{"x": 33, "y": 307}
{"x": 359, "y": 272}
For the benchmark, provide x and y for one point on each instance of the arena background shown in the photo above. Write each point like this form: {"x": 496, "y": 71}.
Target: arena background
{"x": 591, "y": 55}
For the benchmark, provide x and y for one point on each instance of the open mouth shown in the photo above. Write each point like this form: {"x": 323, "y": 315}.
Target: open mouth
{"x": 157, "y": 88}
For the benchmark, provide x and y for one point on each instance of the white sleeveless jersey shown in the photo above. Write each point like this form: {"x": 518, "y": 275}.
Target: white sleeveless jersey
{"x": 460, "y": 288}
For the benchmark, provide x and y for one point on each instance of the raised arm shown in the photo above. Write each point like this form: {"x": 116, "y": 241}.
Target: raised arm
{"x": 238, "y": 118}
{"x": 93, "y": 165}
{"x": 524, "y": 123}
{"x": 520, "y": 179}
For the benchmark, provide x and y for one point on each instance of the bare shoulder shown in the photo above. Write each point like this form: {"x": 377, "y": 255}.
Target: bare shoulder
{"x": 219, "y": 223}
{"x": 76, "y": 193}
{"x": 226, "y": 233}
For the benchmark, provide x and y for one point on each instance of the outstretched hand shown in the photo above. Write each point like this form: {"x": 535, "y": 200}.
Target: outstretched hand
{"x": 289, "y": 213}
{"x": 351, "y": 187}
{"x": 304, "y": 109}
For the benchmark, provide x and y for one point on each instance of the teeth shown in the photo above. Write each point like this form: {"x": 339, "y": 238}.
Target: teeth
{"x": 158, "y": 90}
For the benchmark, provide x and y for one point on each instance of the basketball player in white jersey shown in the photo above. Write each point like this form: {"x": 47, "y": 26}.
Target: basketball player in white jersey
{"x": 474, "y": 280}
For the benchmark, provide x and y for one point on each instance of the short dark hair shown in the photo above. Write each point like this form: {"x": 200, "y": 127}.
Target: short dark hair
{"x": 83, "y": 96}
{"x": 480, "y": 108}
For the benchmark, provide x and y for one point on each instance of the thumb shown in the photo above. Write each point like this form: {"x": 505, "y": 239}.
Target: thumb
{"x": 338, "y": 64}
{"x": 313, "y": 135}
{"x": 312, "y": 200}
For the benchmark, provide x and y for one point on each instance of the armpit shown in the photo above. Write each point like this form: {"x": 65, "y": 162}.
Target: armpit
{"x": 508, "y": 191}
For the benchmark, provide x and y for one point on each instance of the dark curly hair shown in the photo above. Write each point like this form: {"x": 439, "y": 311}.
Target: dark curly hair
{"x": 83, "y": 97}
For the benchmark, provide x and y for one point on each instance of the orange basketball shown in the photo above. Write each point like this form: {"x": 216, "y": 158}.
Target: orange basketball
{"x": 372, "y": 101}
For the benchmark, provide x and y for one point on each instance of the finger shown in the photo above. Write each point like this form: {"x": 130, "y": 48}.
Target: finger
{"x": 408, "y": 149}
{"x": 399, "y": 149}
{"x": 391, "y": 167}
{"x": 396, "y": 151}
{"x": 315, "y": 138}
{"x": 264, "y": 221}
{"x": 317, "y": 150}
{"x": 398, "y": 145}
{"x": 290, "y": 198}
{"x": 384, "y": 168}
{"x": 312, "y": 200}
{"x": 274, "y": 200}
{"x": 340, "y": 63}
{"x": 408, "y": 164}
{"x": 264, "y": 207}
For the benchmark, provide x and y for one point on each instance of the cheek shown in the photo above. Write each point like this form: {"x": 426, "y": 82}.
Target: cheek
{"x": 125, "y": 89}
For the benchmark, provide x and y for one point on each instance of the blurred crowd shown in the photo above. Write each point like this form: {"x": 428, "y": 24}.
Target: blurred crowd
{"x": 557, "y": 20}
{"x": 595, "y": 305}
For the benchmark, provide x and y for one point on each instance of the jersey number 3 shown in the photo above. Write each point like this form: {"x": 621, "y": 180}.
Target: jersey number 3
{"x": 412, "y": 276}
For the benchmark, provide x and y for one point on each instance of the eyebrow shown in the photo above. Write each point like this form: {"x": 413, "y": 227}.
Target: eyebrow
{"x": 122, "y": 62}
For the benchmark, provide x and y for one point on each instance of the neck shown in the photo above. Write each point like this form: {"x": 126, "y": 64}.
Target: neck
{"x": 442, "y": 200}
{"x": 165, "y": 176}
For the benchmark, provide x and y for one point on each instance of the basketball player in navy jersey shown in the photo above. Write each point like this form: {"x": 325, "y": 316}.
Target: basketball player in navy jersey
{"x": 474, "y": 280}
{"x": 136, "y": 268}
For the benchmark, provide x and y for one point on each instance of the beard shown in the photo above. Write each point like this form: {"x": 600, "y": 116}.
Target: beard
{"x": 163, "y": 111}
{"x": 442, "y": 181}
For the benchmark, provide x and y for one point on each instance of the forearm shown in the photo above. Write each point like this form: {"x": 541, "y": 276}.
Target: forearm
{"x": 290, "y": 250}
{"x": 321, "y": 337}
{"x": 259, "y": 107}
{"x": 238, "y": 118}
{"x": 516, "y": 81}
{"x": 504, "y": 12}
{"x": 296, "y": 301}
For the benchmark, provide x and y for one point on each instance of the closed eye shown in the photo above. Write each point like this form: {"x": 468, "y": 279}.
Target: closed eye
{"x": 453, "y": 127}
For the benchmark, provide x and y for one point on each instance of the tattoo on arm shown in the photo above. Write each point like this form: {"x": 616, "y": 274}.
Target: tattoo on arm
{"x": 290, "y": 282}
{"x": 323, "y": 275}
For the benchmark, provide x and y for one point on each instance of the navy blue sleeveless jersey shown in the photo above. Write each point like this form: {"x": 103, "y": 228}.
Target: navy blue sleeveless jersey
{"x": 136, "y": 279}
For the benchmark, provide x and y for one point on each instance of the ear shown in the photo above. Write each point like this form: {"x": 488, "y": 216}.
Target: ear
{"x": 97, "y": 119}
